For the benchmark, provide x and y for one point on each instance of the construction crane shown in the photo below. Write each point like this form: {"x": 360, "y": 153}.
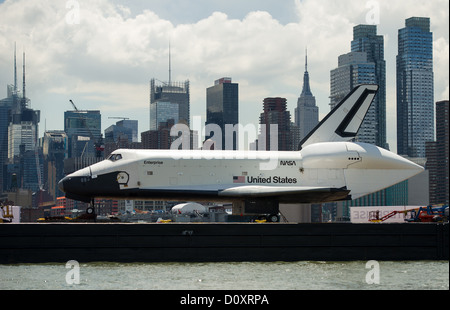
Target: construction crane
{"x": 98, "y": 144}
{"x": 117, "y": 117}
{"x": 74, "y": 106}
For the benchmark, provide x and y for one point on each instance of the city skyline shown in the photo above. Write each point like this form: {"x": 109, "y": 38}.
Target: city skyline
{"x": 261, "y": 47}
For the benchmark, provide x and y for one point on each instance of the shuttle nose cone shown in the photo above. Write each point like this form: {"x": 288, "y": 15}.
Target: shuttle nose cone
{"x": 374, "y": 157}
{"x": 75, "y": 188}
{"x": 395, "y": 161}
{"x": 61, "y": 184}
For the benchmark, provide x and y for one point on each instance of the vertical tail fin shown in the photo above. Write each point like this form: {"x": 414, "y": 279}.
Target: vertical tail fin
{"x": 343, "y": 122}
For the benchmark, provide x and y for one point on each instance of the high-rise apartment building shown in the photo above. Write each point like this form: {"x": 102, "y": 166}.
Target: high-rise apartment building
{"x": 306, "y": 112}
{"x": 415, "y": 87}
{"x": 354, "y": 69}
{"x": 365, "y": 39}
{"x": 275, "y": 112}
{"x": 222, "y": 108}
{"x": 159, "y": 139}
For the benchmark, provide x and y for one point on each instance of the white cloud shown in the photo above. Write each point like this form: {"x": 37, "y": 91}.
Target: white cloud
{"x": 107, "y": 60}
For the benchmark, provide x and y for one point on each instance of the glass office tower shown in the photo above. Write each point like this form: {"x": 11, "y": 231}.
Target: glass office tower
{"x": 175, "y": 93}
{"x": 415, "y": 87}
{"x": 365, "y": 39}
{"x": 222, "y": 108}
{"x": 83, "y": 128}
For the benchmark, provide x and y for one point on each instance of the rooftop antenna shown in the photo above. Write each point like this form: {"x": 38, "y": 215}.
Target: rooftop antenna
{"x": 15, "y": 70}
{"x": 170, "y": 68}
{"x": 306, "y": 59}
{"x": 23, "y": 91}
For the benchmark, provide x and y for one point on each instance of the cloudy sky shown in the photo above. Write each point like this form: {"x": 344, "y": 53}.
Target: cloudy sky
{"x": 103, "y": 53}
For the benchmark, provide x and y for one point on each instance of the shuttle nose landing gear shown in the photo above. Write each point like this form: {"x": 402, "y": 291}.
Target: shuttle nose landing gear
{"x": 90, "y": 211}
{"x": 274, "y": 218}
{"x": 90, "y": 214}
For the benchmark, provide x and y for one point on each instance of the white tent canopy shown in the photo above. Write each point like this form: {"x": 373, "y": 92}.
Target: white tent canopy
{"x": 188, "y": 208}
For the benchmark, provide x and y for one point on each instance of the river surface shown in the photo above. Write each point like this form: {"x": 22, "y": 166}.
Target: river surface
{"x": 304, "y": 275}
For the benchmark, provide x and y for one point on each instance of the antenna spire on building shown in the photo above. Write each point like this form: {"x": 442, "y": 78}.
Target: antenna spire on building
{"x": 23, "y": 86}
{"x": 306, "y": 59}
{"x": 170, "y": 67}
{"x": 15, "y": 70}
{"x": 306, "y": 91}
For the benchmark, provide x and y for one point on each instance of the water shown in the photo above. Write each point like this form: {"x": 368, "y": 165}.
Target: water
{"x": 408, "y": 275}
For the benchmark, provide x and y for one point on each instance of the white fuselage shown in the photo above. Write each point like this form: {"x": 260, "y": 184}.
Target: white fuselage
{"x": 327, "y": 168}
{"x": 229, "y": 175}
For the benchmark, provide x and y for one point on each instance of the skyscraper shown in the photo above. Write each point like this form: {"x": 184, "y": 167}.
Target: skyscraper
{"x": 83, "y": 129}
{"x": 275, "y": 112}
{"x": 222, "y": 108}
{"x": 306, "y": 112}
{"x": 354, "y": 69}
{"x": 18, "y": 128}
{"x": 415, "y": 87}
{"x": 365, "y": 39}
{"x": 4, "y": 117}
{"x": 169, "y": 101}
{"x": 438, "y": 156}
{"x": 125, "y": 128}
{"x": 10, "y": 104}
{"x": 23, "y": 131}
{"x": 162, "y": 112}
{"x": 55, "y": 148}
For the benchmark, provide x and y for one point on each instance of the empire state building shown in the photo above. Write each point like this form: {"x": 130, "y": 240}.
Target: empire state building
{"x": 306, "y": 113}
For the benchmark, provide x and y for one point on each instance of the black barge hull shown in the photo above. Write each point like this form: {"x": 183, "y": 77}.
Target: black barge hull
{"x": 227, "y": 242}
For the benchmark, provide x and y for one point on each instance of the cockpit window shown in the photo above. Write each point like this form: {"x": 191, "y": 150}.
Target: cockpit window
{"x": 115, "y": 157}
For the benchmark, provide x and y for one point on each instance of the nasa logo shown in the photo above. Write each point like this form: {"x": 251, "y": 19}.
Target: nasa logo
{"x": 288, "y": 163}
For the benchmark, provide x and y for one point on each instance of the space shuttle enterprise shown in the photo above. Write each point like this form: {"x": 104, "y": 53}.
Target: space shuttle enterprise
{"x": 328, "y": 167}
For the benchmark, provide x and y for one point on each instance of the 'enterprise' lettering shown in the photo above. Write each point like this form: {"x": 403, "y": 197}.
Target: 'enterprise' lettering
{"x": 153, "y": 162}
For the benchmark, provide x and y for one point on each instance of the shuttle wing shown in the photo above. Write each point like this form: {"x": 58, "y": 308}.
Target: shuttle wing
{"x": 300, "y": 194}
{"x": 343, "y": 122}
